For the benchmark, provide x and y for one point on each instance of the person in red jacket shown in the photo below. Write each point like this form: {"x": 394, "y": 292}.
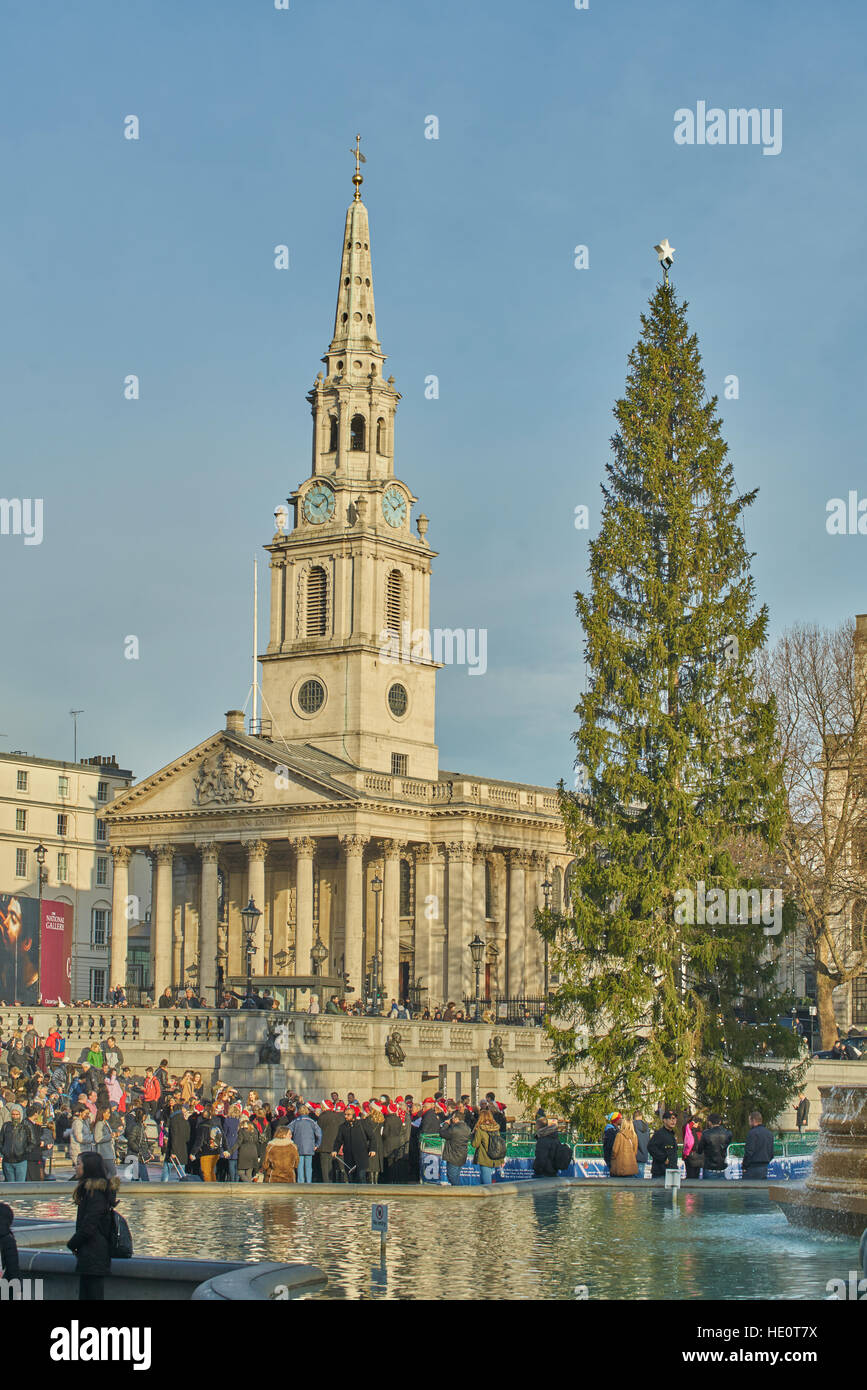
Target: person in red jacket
{"x": 151, "y": 1092}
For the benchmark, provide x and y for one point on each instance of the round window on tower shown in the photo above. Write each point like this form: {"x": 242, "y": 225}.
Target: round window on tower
{"x": 398, "y": 700}
{"x": 311, "y": 696}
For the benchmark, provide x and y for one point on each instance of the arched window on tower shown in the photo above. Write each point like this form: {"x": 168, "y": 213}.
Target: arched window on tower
{"x": 332, "y": 442}
{"x": 380, "y": 436}
{"x": 357, "y": 433}
{"x": 405, "y": 888}
{"x": 394, "y": 601}
{"x": 317, "y": 602}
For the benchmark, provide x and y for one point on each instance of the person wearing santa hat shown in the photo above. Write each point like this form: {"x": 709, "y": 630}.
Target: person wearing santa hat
{"x": 330, "y": 1120}
{"x": 352, "y": 1142}
{"x": 392, "y": 1131}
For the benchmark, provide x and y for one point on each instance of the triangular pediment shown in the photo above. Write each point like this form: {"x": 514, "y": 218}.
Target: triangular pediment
{"x": 232, "y": 771}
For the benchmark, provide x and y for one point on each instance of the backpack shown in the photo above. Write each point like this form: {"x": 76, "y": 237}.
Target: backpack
{"x": 216, "y": 1137}
{"x": 562, "y": 1157}
{"x": 497, "y": 1146}
{"x": 120, "y": 1239}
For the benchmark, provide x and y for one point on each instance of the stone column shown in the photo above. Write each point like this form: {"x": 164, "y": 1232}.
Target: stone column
{"x": 256, "y": 851}
{"x": 305, "y": 848}
{"x": 162, "y": 942}
{"x": 459, "y": 912}
{"x": 119, "y": 921}
{"x": 425, "y": 912}
{"x": 353, "y": 963}
{"x": 479, "y": 922}
{"x": 392, "y": 850}
{"x": 208, "y": 923}
{"x": 517, "y": 921}
{"x": 534, "y": 970}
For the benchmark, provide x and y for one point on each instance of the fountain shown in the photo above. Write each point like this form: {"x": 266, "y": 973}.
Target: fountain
{"x": 834, "y": 1196}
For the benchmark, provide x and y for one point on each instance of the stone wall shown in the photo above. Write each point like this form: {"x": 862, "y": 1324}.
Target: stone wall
{"x": 331, "y": 1052}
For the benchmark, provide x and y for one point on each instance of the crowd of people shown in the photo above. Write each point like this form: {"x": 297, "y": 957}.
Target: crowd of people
{"x": 628, "y": 1145}
{"x": 100, "y": 1105}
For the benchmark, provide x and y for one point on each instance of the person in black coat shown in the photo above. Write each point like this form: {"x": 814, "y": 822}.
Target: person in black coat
{"x": 8, "y": 1246}
{"x": 662, "y": 1148}
{"x": 177, "y": 1140}
{"x": 758, "y": 1150}
{"x": 353, "y": 1141}
{"x": 392, "y": 1137}
{"x": 547, "y": 1144}
{"x": 802, "y": 1114}
{"x": 95, "y": 1196}
{"x": 329, "y": 1122}
{"x": 713, "y": 1148}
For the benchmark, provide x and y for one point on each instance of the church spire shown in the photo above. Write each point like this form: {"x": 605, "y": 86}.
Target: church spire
{"x": 355, "y": 317}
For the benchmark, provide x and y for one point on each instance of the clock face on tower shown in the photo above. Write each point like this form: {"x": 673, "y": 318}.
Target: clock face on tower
{"x": 318, "y": 504}
{"x": 394, "y": 506}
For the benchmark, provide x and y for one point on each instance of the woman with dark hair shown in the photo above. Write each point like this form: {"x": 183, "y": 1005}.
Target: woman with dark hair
{"x": 95, "y": 1196}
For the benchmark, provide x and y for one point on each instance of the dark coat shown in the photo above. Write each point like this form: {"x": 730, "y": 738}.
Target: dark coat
{"x": 802, "y": 1114}
{"x": 16, "y": 1139}
{"x": 642, "y": 1130}
{"x": 91, "y": 1242}
{"x": 712, "y": 1147}
{"x": 330, "y": 1122}
{"x": 248, "y": 1148}
{"x": 178, "y": 1142}
{"x": 430, "y": 1123}
{"x": 547, "y": 1144}
{"x": 373, "y": 1130}
{"x": 662, "y": 1151}
{"x": 610, "y": 1134}
{"x": 758, "y": 1149}
{"x": 457, "y": 1141}
{"x": 353, "y": 1140}
{"x": 392, "y": 1132}
{"x": 8, "y": 1251}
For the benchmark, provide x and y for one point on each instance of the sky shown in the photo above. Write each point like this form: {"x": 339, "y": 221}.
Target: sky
{"x": 155, "y": 257}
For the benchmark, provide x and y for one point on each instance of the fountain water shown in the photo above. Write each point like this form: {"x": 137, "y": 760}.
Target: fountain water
{"x": 834, "y": 1196}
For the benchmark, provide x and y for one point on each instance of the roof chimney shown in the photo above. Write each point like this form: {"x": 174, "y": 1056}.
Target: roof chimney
{"x": 234, "y": 721}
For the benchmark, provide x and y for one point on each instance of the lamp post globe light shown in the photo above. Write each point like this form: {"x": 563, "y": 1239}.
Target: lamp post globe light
{"x": 250, "y": 917}
{"x": 41, "y": 878}
{"x": 376, "y": 885}
{"x": 477, "y": 951}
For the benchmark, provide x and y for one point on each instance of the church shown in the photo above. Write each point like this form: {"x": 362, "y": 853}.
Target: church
{"x": 331, "y": 811}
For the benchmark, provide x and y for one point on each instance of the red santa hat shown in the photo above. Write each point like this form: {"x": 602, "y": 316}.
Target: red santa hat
{"x": 392, "y": 1109}
{"x": 340, "y": 1105}
{"x": 365, "y": 1105}
{"x": 356, "y": 1109}
{"x": 328, "y": 1104}
{"x": 398, "y": 1100}
{"x": 428, "y": 1100}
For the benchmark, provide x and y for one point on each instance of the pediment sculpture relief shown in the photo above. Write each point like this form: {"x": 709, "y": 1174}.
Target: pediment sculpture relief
{"x": 226, "y": 778}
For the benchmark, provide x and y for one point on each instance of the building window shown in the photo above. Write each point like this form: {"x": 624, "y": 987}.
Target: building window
{"x": 398, "y": 700}
{"x": 99, "y": 927}
{"x": 405, "y": 888}
{"x": 332, "y": 442}
{"x": 62, "y": 823}
{"x": 394, "y": 601}
{"x": 101, "y": 870}
{"x": 97, "y": 986}
{"x": 102, "y": 791}
{"x": 21, "y": 863}
{"x": 22, "y": 780}
{"x": 101, "y": 830}
{"x": 317, "y": 602}
{"x": 356, "y": 434}
{"x": 311, "y": 696}
{"x": 489, "y": 891}
{"x": 380, "y": 436}
{"x": 62, "y": 867}
{"x": 63, "y": 786}
{"x": 398, "y": 764}
{"x": 859, "y": 999}
{"x": 20, "y": 819}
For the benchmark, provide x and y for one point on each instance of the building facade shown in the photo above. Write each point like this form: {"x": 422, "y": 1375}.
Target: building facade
{"x": 62, "y": 806}
{"x": 331, "y": 811}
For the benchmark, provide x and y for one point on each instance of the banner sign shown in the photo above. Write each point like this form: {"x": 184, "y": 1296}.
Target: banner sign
{"x": 35, "y": 957}
{"x": 433, "y": 1169}
{"x": 55, "y": 954}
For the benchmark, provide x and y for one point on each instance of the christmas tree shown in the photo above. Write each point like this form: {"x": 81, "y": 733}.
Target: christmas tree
{"x": 661, "y": 1000}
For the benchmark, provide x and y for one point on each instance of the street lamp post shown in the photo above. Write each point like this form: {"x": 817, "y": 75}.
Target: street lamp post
{"x": 477, "y": 951}
{"x": 546, "y": 889}
{"x": 250, "y": 918}
{"x": 376, "y": 885}
{"x": 319, "y": 953}
{"x": 42, "y": 877}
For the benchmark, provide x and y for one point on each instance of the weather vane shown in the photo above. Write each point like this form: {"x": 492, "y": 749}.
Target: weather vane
{"x": 666, "y": 256}
{"x": 357, "y": 177}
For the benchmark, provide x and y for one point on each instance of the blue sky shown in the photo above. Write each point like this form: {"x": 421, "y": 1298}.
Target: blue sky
{"x": 155, "y": 257}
